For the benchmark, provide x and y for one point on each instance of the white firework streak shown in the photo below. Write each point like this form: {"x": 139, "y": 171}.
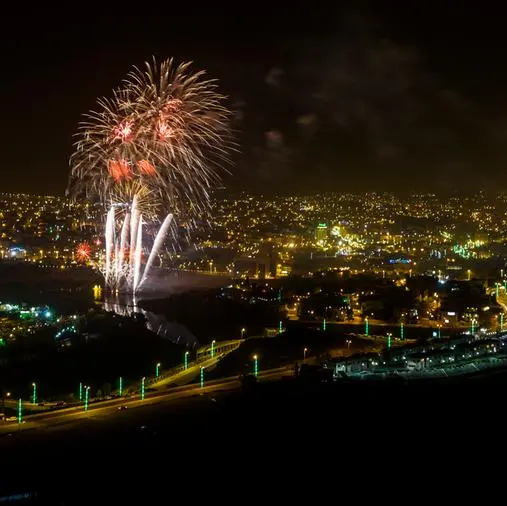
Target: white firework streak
{"x": 157, "y": 244}
{"x": 109, "y": 242}
{"x": 138, "y": 252}
{"x": 134, "y": 220}
{"x": 123, "y": 268}
{"x": 124, "y": 237}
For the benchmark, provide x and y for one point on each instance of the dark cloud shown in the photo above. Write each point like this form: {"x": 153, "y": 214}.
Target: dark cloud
{"x": 362, "y": 101}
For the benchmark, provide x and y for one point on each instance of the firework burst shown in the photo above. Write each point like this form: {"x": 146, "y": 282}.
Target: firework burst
{"x": 151, "y": 153}
{"x": 83, "y": 252}
{"x": 165, "y": 129}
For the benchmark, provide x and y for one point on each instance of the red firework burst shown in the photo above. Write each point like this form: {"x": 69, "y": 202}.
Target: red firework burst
{"x": 83, "y": 252}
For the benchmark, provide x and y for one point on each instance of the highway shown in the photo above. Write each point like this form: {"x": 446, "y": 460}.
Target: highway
{"x": 99, "y": 410}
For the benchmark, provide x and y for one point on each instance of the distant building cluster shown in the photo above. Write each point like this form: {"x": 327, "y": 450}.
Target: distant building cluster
{"x": 261, "y": 236}
{"x": 44, "y": 230}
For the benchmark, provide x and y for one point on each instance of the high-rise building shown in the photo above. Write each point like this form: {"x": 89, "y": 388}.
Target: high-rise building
{"x": 321, "y": 233}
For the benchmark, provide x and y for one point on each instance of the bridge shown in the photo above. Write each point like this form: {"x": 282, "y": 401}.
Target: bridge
{"x": 217, "y": 348}
{"x": 207, "y": 356}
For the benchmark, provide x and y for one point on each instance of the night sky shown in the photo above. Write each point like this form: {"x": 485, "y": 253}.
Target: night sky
{"x": 386, "y": 98}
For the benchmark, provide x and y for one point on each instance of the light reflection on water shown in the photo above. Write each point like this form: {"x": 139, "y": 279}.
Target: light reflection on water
{"x": 126, "y": 305}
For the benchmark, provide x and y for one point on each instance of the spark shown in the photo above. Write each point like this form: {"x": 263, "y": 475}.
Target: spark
{"x": 150, "y": 154}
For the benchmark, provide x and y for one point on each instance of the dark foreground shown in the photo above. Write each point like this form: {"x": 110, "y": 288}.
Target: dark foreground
{"x": 205, "y": 445}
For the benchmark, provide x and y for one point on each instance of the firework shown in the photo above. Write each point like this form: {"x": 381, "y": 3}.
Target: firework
{"x": 166, "y": 130}
{"x": 151, "y": 154}
{"x": 83, "y": 252}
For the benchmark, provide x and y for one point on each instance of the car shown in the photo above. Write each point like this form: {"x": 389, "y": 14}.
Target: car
{"x": 122, "y": 408}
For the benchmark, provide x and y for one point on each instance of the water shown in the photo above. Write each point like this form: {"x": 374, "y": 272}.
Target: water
{"x": 125, "y": 304}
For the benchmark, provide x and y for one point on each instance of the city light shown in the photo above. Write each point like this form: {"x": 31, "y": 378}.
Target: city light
{"x": 121, "y": 386}
{"x": 401, "y": 331}
{"x": 20, "y": 411}
{"x": 34, "y": 393}
{"x": 304, "y": 353}
{"x": 87, "y": 398}
{"x": 80, "y": 391}
{"x": 185, "y": 360}
{"x": 324, "y": 325}
{"x": 366, "y": 326}
{"x": 157, "y": 370}
{"x": 389, "y": 335}
{"x": 202, "y": 377}
{"x": 256, "y": 365}
{"x": 142, "y": 387}
{"x": 213, "y": 348}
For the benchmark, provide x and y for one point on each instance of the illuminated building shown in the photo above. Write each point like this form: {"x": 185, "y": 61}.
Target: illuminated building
{"x": 321, "y": 233}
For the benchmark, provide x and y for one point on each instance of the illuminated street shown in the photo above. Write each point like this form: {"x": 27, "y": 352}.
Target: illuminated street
{"x": 97, "y": 411}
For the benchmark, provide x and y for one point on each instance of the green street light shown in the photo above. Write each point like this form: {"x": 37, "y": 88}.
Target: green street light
{"x": 20, "y": 411}
{"x": 186, "y": 359}
{"x": 473, "y": 326}
{"x": 87, "y": 398}
{"x": 34, "y": 393}
{"x": 157, "y": 369}
{"x": 280, "y": 327}
{"x": 389, "y": 341}
{"x": 202, "y": 377}
{"x": 324, "y": 325}
{"x": 213, "y": 348}
{"x": 80, "y": 391}
{"x": 366, "y": 326}
{"x": 142, "y": 387}
{"x": 121, "y": 386}
{"x": 256, "y": 365}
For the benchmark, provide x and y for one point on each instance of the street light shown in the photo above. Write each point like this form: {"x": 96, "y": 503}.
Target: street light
{"x": 34, "y": 393}
{"x": 389, "y": 335}
{"x": 213, "y": 348}
{"x": 202, "y": 377}
{"x": 121, "y": 386}
{"x": 157, "y": 370}
{"x": 243, "y": 330}
{"x": 87, "y": 398}
{"x": 304, "y": 353}
{"x": 366, "y": 326}
{"x": 80, "y": 391}
{"x": 348, "y": 341}
{"x": 256, "y": 365}
{"x": 142, "y": 387}
{"x": 20, "y": 412}
{"x": 186, "y": 359}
